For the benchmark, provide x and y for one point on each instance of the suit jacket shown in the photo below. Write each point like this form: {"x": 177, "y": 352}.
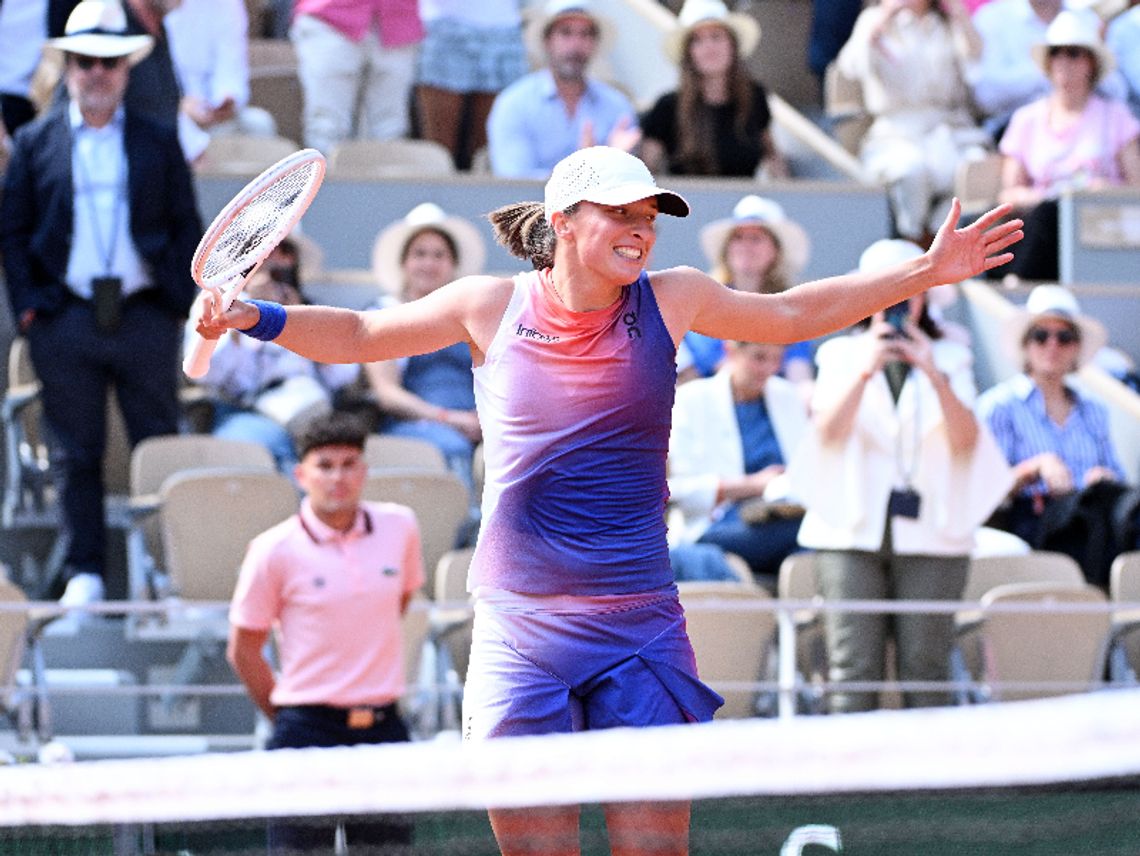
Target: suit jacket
{"x": 36, "y": 212}
{"x": 705, "y": 446}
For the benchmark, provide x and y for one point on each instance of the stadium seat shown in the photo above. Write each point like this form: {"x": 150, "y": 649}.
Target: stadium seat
{"x": 242, "y": 155}
{"x": 1050, "y": 646}
{"x": 399, "y": 158}
{"x": 1124, "y": 588}
{"x": 390, "y": 451}
{"x": 440, "y": 501}
{"x": 797, "y": 581}
{"x": 731, "y": 644}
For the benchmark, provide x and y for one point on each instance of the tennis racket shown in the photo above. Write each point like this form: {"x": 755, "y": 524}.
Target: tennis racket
{"x": 245, "y": 232}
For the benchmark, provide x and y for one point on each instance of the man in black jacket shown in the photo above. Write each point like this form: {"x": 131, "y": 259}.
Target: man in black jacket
{"x": 97, "y": 228}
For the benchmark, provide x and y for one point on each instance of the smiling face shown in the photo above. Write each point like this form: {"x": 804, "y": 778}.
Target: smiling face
{"x": 611, "y": 241}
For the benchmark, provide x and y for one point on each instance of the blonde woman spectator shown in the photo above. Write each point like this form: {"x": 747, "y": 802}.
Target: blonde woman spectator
{"x": 909, "y": 57}
{"x": 1070, "y": 139}
{"x": 717, "y": 121}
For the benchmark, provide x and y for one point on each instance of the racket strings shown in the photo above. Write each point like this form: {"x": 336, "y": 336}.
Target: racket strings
{"x": 271, "y": 211}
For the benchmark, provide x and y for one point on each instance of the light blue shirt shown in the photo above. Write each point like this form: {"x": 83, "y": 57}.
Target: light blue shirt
{"x": 529, "y": 131}
{"x": 1015, "y": 412}
{"x": 1123, "y": 40}
{"x": 101, "y": 243}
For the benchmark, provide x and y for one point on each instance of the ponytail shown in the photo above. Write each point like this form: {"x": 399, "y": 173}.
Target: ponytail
{"x": 522, "y": 228}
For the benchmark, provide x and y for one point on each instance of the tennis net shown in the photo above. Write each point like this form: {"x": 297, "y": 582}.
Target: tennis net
{"x": 1056, "y": 776}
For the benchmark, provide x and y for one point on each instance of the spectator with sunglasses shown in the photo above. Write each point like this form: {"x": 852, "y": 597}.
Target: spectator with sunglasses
{"x": 1055, "y": 437}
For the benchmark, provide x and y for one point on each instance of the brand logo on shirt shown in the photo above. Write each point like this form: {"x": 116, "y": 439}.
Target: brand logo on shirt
{"x": 318, "y": 582}
{"x": 389, "y": 571}
{"x": 538, "y": 335}
{"x": 630, "y": 322}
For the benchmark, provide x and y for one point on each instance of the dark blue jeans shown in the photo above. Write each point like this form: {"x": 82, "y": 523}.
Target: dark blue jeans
{"x": 764, "y": 546}
{"x": 316, "y": 725}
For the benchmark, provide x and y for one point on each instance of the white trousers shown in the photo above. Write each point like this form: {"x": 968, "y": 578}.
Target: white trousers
{"x": 350, "y": 89}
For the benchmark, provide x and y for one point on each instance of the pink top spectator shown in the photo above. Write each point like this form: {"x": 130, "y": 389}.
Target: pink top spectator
{"x": 397, "y": 20}
{"x": 1072, "y": 158}
{"x": 286, "y": 583}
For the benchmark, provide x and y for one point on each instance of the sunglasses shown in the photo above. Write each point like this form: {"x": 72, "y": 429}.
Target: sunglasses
{"x": 1040, "y": 336}
{"x": 1069, "y": 52}
{"x": 86, "y": 63}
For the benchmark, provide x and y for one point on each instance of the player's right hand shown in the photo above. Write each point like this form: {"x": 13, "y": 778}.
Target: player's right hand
{"x": 212, "y": 323}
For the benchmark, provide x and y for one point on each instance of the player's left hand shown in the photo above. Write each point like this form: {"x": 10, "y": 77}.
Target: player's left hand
{"x": 959, "y": 254}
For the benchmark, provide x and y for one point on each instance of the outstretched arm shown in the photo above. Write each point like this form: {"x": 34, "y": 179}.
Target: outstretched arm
{"x": 461, "y": 311}
{"x": 694, "y": 301}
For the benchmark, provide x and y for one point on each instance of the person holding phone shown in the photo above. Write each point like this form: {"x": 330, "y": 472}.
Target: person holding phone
{"x": 896, "y": 475}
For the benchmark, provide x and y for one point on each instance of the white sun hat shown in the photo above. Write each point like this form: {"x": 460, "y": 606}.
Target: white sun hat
{"x": 606, "y": 176}
{"x": 887, "y": 252}
{"x": 752, "y": 210}
{"x": 1075, "y": 29}
{"x": 99, "y": 28}
{"x": 695, "y": 13}
{"x": 388, "y": 250}
{"x": 1053, "y": 301}
{"x": 541, "y": 19}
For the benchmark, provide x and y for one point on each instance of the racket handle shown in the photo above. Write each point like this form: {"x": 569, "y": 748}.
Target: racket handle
{"x": 197, "y": 360}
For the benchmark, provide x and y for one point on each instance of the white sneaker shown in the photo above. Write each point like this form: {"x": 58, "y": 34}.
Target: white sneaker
{"x": 82, "y": 589}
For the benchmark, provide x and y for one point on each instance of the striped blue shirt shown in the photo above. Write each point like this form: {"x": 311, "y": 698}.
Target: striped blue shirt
{"x": 1015, "y": 413}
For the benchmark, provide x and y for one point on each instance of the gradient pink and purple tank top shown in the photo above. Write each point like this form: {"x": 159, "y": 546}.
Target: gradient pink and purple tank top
{"x": 575, "y": 409}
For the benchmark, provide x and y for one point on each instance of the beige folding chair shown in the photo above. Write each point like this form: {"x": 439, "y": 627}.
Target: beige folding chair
{"x": 1124, "y": 588}
{"x": 389, "y": 451}
{"x": 1046, "y": 652}
{"x": 208, "y": 518}
{"x": 843, "y": 105}
{"x": 274, "y": 85}
{"x": 988, "y": 572}
{"x": 797, "y": 581}
{"x": 14, "y": 700}
{"x": 242, "y": 154}
{"x": 977, "y": 183}
{"x": 440, "y": 501}
{"x": 399, "y": 158}
{"x": 153, "y": 461}
{"x": 731, "y": 644}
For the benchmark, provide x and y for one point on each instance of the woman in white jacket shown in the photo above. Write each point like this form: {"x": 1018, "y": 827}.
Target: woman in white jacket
{"x": 896, "y": 476}
{"x": 732, "y": 436}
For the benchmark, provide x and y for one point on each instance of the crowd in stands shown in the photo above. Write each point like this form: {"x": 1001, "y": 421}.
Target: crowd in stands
{"x": 874, "y": 450}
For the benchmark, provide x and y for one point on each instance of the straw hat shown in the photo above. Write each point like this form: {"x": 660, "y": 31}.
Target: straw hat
{"x": 99, "y": 28}
{"x": 540, "y": 20}
{"x": 606, "y": 176}
{"x": 390, "y": 244}
{"x": 1053, "y": 301}
{"x": 697, "y": 12}
{"x": 795, "y": 246}
{"x": 1075, "y": 29}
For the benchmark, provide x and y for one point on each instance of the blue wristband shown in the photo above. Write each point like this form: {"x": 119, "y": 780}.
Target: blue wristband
{"x": 270, "y": 323}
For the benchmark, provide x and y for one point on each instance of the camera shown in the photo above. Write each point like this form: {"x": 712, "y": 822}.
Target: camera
{"x": 897, "y": 316}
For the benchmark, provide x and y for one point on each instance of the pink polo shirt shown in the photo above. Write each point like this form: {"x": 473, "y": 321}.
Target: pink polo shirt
{"x": 397, "y": 20}
{"x": 333, "y": 599}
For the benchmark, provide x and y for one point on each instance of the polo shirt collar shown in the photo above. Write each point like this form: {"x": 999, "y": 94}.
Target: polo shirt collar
{"x": 322, "y": 533}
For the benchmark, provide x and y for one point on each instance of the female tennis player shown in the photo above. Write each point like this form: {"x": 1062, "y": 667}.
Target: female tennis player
{"x": 577, "y": 622}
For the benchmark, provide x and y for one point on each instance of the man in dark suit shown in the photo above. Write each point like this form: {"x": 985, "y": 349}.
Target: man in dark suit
{"x": 98, "y": 225}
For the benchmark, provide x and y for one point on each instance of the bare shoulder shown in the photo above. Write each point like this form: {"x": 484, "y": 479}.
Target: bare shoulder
{"x": 681, "y": 293}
